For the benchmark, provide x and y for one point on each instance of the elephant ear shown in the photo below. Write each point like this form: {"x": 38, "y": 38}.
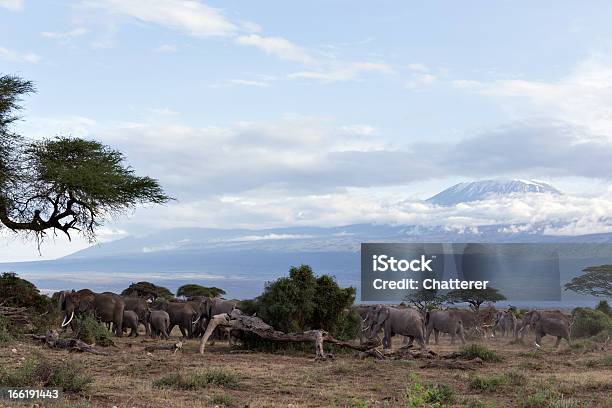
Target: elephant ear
{"x": 84, "y": 303}
{"x": 383, "y": 314}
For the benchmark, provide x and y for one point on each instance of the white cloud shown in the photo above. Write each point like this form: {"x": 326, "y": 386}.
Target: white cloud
{"x": 418, "y": 67}
{"x": 14, "y": 5}
{"x": 248, "y": 82}
{"x": 582, "y": 97}
{"x": 16, "y": 56}
{"x": 190, "y": 16}
{"x": 277, "y": 46}
{"x": 77, "y": 32}
{"x": 343, "y": 72}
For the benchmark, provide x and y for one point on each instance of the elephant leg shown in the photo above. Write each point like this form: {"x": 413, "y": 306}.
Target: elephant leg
{"x": 436, "y": 336}
{"x": 557, "y": 342}
{"x": 182, "y": 329}
{"x": 538, "y": 339}
{"x": 428, "y": 334}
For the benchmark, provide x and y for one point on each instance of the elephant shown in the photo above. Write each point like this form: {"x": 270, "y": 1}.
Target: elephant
{"x": 159, "y": 321}
{"x": 107, "y": 307}
{"x": 446, "y": 321}
{"x": 553, "y": 323}
{"x": 405, "y": 322}
{"x": 141, "y": 307}
{"x": 130, "y": 321}
{"x": 505, "y": 322}
{"x": 211, "y": 307}
{"x": 182, "y": 314}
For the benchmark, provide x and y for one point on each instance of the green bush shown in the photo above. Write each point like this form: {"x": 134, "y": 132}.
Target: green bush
{"x": 36, "y": 371}
{"x": 421, "y": 394}
{"x": 222, "y": 399}
{"x": 589, "y": 322}
{"x": 17, "y": 292}
{"x": 491, "y": 383}
{"x": 5, "y": 333}
{"x": 303, "y": 301}
{"x": 604, "y": 306}
{"x": 478, "y": 350}
{"x": 198, "y": 380}
{"x": 92, "y": 331}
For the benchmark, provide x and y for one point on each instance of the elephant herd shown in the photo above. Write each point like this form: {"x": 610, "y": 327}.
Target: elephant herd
{"x": 418, "y": 326}
{"x": 128, "y": 312}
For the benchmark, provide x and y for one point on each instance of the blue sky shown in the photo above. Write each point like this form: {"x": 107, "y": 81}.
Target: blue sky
{"x": 269, "y": 113}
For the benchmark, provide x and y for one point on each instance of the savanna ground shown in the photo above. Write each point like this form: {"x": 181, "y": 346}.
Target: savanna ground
{"x": 576, "y": 377}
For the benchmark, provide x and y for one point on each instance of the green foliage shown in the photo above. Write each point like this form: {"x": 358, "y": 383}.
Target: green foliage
{"x": 222, "y": 399}
{"x": 190, "y": 290}
{"x": 5, "y": 333}
{"x": 474, "y": 297}
{"x": 64, "y": 183}
{"x": 596, "y": 281}
{"x": 18, "y": 292}
{"x": 37, "y": 371}
{"x": 478, "y": 350}
{"x": 147, "y": 290}
{"x": 425, "y": 299}
{"x": 421, "y": 394}
{"x": 488, "y": 384}
{"x": 589, "y": 322}
{"x": 303, "y": 302}
{"x": 604, "y": 307}
{"x": 92, "y": 331}
{"x": 197, "y": 380}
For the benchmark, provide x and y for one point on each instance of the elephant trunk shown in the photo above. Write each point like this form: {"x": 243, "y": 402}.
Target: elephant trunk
{"x": 66, "y": 323}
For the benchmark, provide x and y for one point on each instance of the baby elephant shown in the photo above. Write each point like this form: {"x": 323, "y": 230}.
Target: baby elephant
{"x": 130, "y": 321}
{"x": 160, "y": 322}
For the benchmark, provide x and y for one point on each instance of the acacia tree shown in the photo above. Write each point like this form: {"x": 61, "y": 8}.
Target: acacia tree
{"x": 596, "y": 281}
{"x": 63, "y": 183}
{"x": 193, "y": 289}
{"x": 474, "y": 297}
{"x": 424, "y": 299}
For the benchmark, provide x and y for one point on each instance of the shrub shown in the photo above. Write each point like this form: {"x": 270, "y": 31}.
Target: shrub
{"x": 5, "y": 334}
{"x": 303, "y": 301}
{"x": 492, "y": 383}
{"x": 478, "y": 350}
{"x": 198, "y": 380}
{"x": 222, "y": 399}
{"x": 589, "y": 322}
{"x": 92, "y": 331}
{"x": 17, "y": 292}
{"x": 420, "y": 394}
{"x": 36, "y": 371}
{"x": 604, "y": 306}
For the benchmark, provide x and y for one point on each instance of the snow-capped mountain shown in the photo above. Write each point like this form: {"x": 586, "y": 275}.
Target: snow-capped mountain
{"x": 481, "y": 190}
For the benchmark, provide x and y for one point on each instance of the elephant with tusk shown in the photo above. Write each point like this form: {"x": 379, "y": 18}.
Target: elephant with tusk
{"x": 553, "y": 323}
{"x": 107, "y": 307}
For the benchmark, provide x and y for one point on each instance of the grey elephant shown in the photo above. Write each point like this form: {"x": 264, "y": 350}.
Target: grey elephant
{"x": 141, "y": 307}
{"x": 553, "y": 323}
{"x": 107, "y": 307}
{"x": 212, "y": 307}
{"x": 405, "y": 322}
{"x": 130, "y": 321}
{"x": 159, "y": 321}
{"x": 506, "y": 323}
{"x": 182, "y": 314}
{"x": 446, "y": 321}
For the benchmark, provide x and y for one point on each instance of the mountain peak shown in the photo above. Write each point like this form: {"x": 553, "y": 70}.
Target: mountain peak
{"x": 481, "y": 190}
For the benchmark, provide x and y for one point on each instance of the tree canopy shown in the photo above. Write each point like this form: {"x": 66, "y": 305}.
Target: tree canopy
{"x": 18, "y": 292}
{"x": 304, "y": 301}
{"x": 192, "y": 289}
{"x": 62, "y": 183}
{"x": 424, "y": 299}
{"x": 596, "y": 281}
{"x": 147, "y": 290}
{"x": 474, "y": 297}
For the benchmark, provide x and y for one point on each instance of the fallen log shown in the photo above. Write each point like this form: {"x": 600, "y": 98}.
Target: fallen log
{"x": 173, "y": 346}
{"x": 52, "y": 339}
{"x": 236, "y": 320}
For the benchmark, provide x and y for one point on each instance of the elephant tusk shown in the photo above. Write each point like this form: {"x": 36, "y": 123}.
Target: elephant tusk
{"x": 66, "y": 323}
{"x": 196, "y": 320}
{"x": 365, "y": 328}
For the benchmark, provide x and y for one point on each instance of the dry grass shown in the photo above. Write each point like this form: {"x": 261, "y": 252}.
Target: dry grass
{"x": 126, "y": 378}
